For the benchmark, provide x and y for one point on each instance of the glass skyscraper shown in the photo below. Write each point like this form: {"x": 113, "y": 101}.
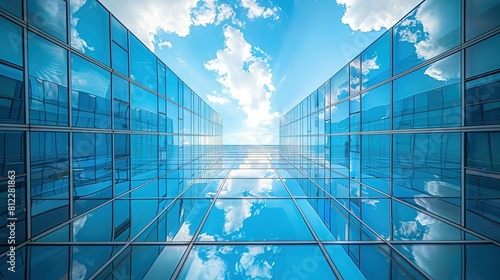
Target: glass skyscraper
{"x": 111, "y": 167}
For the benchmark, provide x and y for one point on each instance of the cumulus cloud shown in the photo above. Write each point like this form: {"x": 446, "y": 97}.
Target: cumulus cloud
{"x": 255, "y": 10}
{"x": 376, "y": 14}
{"x": 148, "y": 18}
{"x": 167, "y": 44}
{"x": 217, "y": 99}
{"x": 253, "y": 268}
{"x": 245, "y": 77}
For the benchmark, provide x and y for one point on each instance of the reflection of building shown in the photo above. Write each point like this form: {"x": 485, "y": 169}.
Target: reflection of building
{"x": 417, "y": 116}
{"x": 92, "y": 123}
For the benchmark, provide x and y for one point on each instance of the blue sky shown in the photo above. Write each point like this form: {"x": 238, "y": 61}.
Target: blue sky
{"x": 254, "y": 60}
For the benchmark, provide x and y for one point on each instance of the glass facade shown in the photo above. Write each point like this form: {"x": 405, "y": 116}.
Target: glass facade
{"x": 389, "y": 169}
{"x": 94, "y": 150}
{"x": 404, "y": 169}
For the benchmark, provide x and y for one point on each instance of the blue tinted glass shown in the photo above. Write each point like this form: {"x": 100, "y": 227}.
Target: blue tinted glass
{"x": 12, "y": 158}
{"x": 264, "y": 262}
{"x": 119, "y": 33}
{"x": 49, "y": 166}
{"x": 121, "y": 103}
{"x": 482, "y": 151}
{"x": 90, "y": 29}
{"x": 430, "y": 29}
{"x": 120, "y": 59}
{"x": 92, "y": 169}
{"x": 143, "y": 67}
{"x": 339, "y": 118}
{"x": 49, "y": 16}
{"x": 481, "y": 203}
{"x": 122, "y": 163}
{"x": 144, "y": 109}
{"x": 354, "y": 75}
{"x": 279, "y": 219}
{"x": 94, "y": 227}
{"x": 172, "y": 86}
{"x": 376, "y": 108}
{"x": 172, "y": 121}
{"x": 48, "y": 82}
{"x": 11, "y": 95}
{"x": 482, "y": 97}
{"x": 427, "y": 172}
{"x": 375, "y": 170}
{"x": 482, "y": 57}
{"x": 161, "y": 79}
{"x": 429, "y": 97}
{"x": 42, "y": 259}
{"x": 91, "y": 94}
{"x": 376, "y": 61}
{"x": 354, "y": 107}
{"x": 340, "y": 85}
{"x": 481, "y": 17}
{"x": 12, "y": 46}
{"x": 144, "y": 158}
{"x": 13, "y": 6}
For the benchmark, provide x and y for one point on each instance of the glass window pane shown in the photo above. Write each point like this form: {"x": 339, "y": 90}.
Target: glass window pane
{"x": 375, "y": 170}
{"x": 429, "y": 97}
{"x": 339, "y": 117}
{"x": 426, "y": 170}
{"x": 12, "y": 6}
{"x": 12, "y": 46}
{"x": 12, "y": 158}
{"x": 50, "y": 16}
{"x": 144, "y": 109}
{"x": 482, "y": 57}
{"x": 482, "y": 97}
{"x": 482, "y": 151}
{"x": 376, "y": 61}
{"x": 340, "y": 85}
{"x": 48, "y": 82}
{"x": 481, "y": 16}
{"x": 119, "y": 33}
{"x": 376, "y": 108}
{"x": 122, "y": 163}
{"x": 11, "y": 95}
{"x": 121, "y": 103}
{"x": 143, "y": 67}
{"x": 172, "y": 118}
{"x": 91, "y": 94}
{"x": 92, "y": 170}
{"x": 432, "y": 28}
{"x": 172, "y": 86}
{"x": 120, "y": 59}
{"x": 354, "y": 75}
{"x": 161, "y": 78}
{"x": 144, "y": 159}
{"x": 90, "y": 29}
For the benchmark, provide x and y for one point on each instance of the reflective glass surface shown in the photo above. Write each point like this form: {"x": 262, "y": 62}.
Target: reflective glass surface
{"x": 90, "y": 95}
{"x": 90, "y": 29}
{"x": 256, "y": 262}
{"x": 481, "y": 17}
{"x": 48, "y": 82}
{"x": 355, "y": 75}
{"x": 482, "y": 98}
{"x": 11, "y": 95}
{"x": 10, "y": 35}
{"x": 14, "y": 7}
{"x": 429, "y": 97}
{"x": 143, "y": 67}
{"x": 121, "y": 103}
{"x": 430, "y": 29}
{"x": 49, "y": 16}
{"x": 119, "y": 33}
{"x": 120, "y": 59}
{"x": 482, "y": 57}
{"x": 376, "y": 108}
{"x": 144, "y": 109}
{"x": 376, "y": 62}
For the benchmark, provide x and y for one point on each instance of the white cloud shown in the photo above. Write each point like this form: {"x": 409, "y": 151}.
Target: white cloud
{"x": 255, "y": 10}
{"x": 253, "y": 268}
{"x": 147, "y": 18}
{"x": 217, "y": 99}
{"x": 165, "y": 44}
{"x": 245, "y": 77}
{"x": 376, "y": 14}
